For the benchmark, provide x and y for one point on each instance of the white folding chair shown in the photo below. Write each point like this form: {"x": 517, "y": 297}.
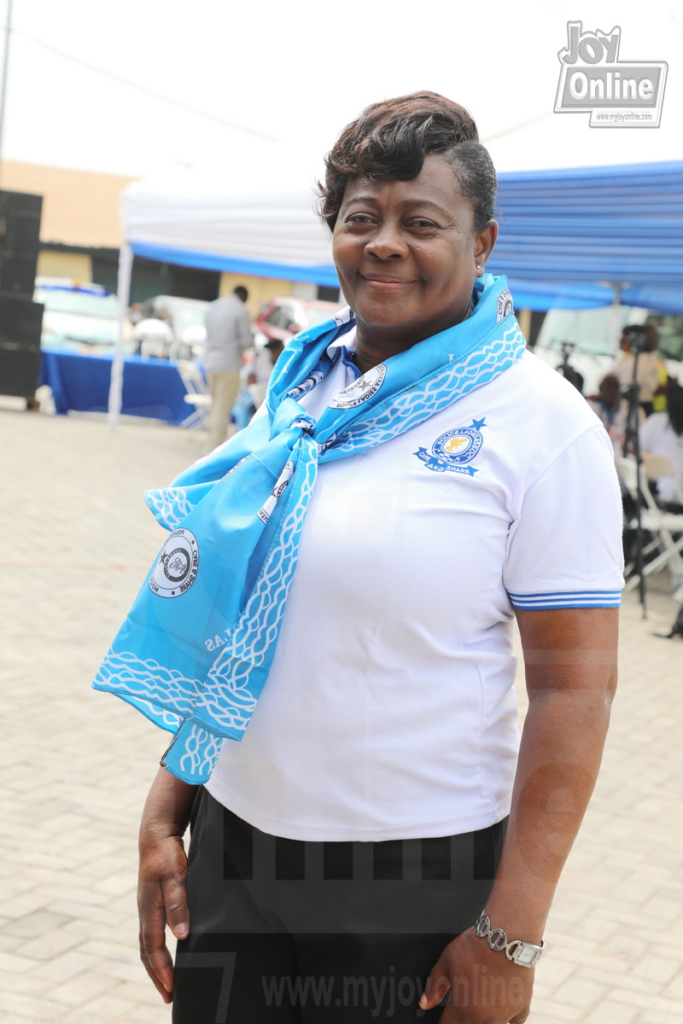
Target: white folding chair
{"x": 660, "y": 524}
{"x": 657, "y": 466}
{"x": 198, "y": 394}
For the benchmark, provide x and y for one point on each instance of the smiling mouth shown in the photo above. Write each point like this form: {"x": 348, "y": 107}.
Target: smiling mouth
{"x": 387, "y": 282}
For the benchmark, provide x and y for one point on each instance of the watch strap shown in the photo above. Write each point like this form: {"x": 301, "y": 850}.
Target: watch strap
{"x": 524, "y": 954}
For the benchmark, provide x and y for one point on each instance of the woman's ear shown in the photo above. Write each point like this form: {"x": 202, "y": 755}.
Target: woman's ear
{"x": 484, "y": 244}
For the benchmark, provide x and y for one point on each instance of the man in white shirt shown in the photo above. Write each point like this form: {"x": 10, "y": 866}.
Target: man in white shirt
{"x": 228, "y": 334}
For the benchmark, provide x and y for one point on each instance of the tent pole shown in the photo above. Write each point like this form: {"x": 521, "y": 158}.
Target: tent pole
{"x": 5, "y": 67}
{"x": 616, "y": 318}
{"x": 524, "y": 321}
{"x": 123, "y": 292}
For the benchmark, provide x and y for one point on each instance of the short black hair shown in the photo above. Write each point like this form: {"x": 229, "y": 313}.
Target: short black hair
{"x": 674, "y": 407}
{"x": 391, "y": 139}
{"x": 241, "y": 292}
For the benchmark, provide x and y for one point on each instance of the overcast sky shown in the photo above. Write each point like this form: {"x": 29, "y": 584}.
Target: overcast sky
{"x": 299, "y": 71}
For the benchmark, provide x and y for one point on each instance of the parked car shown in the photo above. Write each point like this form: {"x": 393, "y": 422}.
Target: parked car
{"x": 185, "y": 334}
{"x": 284, "y": 317}
{"x": 79, "y": 317}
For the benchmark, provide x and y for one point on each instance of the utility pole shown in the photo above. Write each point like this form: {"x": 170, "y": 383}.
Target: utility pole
{"x": 5, "y": 62}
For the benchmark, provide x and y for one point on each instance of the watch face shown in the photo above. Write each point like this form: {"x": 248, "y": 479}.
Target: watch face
{"x": 526, "y": 955}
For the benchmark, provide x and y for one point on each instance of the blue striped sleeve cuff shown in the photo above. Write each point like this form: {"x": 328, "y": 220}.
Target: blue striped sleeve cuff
{"x": 568, "y": 599}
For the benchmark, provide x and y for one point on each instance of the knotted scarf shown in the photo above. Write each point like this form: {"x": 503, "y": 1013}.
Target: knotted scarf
{"x": 195, "y": 650}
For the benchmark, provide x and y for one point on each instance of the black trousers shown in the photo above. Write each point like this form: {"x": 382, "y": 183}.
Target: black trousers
{"x": 289, "y": 932}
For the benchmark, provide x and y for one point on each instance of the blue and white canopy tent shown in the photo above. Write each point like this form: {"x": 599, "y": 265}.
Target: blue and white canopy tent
{"x": 197, "y": 222}
{"x": 569, "y": 238}
{"x": 572, "y": 238}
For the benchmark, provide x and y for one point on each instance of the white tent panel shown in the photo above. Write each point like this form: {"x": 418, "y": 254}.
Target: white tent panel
{"x": 199, "y": 217}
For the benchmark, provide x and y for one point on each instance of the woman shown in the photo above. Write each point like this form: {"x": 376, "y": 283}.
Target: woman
{"x": 662, "y": 434}
{"x": 428, "y": 479}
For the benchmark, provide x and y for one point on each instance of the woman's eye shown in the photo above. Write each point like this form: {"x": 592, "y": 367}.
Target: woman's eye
{"x": 358, "y": 218}
{"x": 421, "y": 224}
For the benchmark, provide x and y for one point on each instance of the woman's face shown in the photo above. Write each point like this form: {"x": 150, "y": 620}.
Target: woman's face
{"x": 406, "y": 252}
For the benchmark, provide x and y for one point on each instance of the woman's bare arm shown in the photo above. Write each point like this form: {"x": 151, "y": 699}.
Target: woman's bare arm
{"x": 570, "y": 659}
{"x": 162, "y": 898}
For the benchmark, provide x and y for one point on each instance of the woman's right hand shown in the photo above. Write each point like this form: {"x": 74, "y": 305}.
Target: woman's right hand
{"x": 162, "y": 898}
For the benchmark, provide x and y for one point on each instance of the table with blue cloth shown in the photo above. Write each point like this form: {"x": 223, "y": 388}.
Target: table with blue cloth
{"x": 151, "y": 387}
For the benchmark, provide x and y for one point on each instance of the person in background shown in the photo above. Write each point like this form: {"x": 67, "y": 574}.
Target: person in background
{"x": 575, "y": 378}
{"x": 659, "y": 400}
{"x": 228, "y": 334}
{"x": 275, "y": 347}
{"x": 135, "y": 314}
{"x": 611, "y": 408}
{"x": 652, "y": 374}
{"x": 662, "y": 434}
{"x": 254, "y": 377}
{"x": 261, "y": 369}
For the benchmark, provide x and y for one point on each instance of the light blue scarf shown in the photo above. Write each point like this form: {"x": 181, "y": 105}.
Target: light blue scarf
{"x": 195, "y": 651}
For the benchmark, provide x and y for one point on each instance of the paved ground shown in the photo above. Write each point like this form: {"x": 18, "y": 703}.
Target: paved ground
{"x": 74, "y": 765}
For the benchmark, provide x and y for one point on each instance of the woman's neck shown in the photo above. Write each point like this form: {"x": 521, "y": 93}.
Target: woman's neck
{"x": 373, "y": 351}
{"x": 375, "y": 346}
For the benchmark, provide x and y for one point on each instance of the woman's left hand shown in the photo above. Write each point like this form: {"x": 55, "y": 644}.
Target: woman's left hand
{"x": 485, "y": 987}
{"x": 570, "y": 661}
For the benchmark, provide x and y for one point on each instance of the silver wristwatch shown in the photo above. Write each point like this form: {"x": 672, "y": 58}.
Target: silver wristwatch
{"x": 525, "y": 954}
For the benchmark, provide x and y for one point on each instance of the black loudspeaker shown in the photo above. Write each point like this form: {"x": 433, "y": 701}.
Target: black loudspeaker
{"x": 19, "y": 242}
{"x": 20, "y": 326}
{"x": 21, "y": 319}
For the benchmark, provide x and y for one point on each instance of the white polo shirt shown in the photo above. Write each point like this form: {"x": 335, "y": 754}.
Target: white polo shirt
{"x": 389, "y": 711}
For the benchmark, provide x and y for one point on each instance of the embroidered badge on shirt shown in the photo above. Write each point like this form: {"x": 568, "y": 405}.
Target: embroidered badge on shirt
{"x": 176, "y": 570}
{"x": 454, "y": 450}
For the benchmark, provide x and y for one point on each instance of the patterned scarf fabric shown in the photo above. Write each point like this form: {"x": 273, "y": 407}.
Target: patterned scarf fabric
{"x": 195, "y": 650}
